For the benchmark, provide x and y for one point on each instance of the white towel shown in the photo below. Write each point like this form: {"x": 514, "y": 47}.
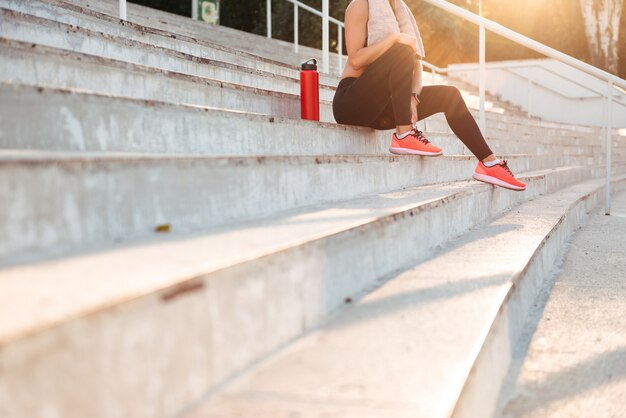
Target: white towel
{"x": 383, "y": 21}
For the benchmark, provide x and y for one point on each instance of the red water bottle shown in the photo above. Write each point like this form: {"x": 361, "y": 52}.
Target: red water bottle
{"x": 310, "y": 91}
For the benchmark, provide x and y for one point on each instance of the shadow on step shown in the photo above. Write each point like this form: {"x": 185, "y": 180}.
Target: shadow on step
{"x": 424, "y": 290}
{"x": 548, "y": 388}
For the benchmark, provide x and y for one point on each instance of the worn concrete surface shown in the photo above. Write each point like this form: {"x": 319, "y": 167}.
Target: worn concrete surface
{"x": 397, "y": 354}
{"x": 142, "y": 340}
{"x": 198, "y": 332}
{"x": 92, "y": 197}
{"x": 576, "y": 363}
{"x": 71, "y": 120}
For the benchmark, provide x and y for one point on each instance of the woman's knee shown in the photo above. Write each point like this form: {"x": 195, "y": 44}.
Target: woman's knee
{"x": 454, "y": 99}
{"x": 401, "y": 52}
{"x": 452, "y": 92}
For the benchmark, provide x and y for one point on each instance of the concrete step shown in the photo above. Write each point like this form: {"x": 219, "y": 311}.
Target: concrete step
{"x": 41, "y": 65}
{"x": 117, "y": 44}
{"x": 61, "y": 37}
{"x": 258, "y": 45}
{"x": 576, "y": 331}
{"x": 435, "y": 341}
{"x": 71, "y": 200}
{"x": 30, "y": 29}
{"x": 541, "y": 127}
{"x": 84, "y": 27}
{"x": 542, "y": 136}
{"x": 45, "y": 66}
{"x": 164, "y": 23}
{"x": 512, "y": 108}
{"x": 105, "y": 24}
{"x": 187, "y": 312}
{"x": 71, "y": 120}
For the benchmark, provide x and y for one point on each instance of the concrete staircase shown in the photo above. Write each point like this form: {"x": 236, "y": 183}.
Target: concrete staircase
{"x": 175, "y": 241}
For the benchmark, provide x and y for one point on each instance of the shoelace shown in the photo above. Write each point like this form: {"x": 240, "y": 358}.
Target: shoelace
{"x": 419, "y": 135}
{"x": 504, "y": 165}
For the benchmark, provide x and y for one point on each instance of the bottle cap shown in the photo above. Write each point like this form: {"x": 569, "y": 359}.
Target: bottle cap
{"x": 307, "y": 65}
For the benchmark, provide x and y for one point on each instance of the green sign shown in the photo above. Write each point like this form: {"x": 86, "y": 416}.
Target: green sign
{"x": 209, "y": 11}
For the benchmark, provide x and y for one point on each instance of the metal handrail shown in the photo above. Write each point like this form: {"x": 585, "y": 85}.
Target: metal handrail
{"x": 610, "y": 79}
{"x": 326, "y": 19}
{"x": 340, "y": 28}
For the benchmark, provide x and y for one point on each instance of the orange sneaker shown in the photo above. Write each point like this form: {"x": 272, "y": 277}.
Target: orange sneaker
{"x": 414, "y": 143}
{"x": 499, "y": 175}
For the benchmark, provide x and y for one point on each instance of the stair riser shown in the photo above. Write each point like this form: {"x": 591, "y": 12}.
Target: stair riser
{"x": 111, "y": 26}
{"x": 83, "y": 122}
{"x": 70, "y": 121}
{"x": 94, "y": 74}
{"x": 522, "y": 119}
{"x": 131, "y": 31}
{"x": 61, "y": 36}
{"x": 536, "y": 132}
{"x": 41, "y": 67}
{"x": 204, "y": 335}
{"x": 481, "y": 391}
{"x": 97, "y": 24}
{"x": 526, "y": 135}
{"x": 45, "y": 67}
{"x": 531, "y": 128}
{"x": 257, "y": 45}
{"x": 64, "y": 37}
{"x": 68, "y": 204}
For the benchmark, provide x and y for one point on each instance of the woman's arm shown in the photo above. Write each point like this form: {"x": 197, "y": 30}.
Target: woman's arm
{"x": 359, "y": 55}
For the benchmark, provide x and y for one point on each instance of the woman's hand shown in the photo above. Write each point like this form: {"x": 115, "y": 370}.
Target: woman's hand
{"x": 414, "y": 104}
{"x": 403, "y": 38}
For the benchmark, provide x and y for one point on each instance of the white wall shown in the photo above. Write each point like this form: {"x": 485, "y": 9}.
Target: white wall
{"x": 549, "y": 96}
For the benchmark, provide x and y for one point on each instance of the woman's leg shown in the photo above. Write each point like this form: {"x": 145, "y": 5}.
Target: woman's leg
{"x": 448, "y": 99}
{"x": 386, "y": 81}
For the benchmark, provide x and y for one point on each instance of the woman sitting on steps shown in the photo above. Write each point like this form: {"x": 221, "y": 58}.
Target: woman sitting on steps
{"x": 381, "y": 88}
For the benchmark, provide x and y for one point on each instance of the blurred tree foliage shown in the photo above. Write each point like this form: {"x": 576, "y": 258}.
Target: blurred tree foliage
{"x": 448, "y": 39}
{"x": 173, "y": 6}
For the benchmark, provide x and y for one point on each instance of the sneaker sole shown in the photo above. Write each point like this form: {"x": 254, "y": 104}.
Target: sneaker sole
{"x": 405, "y": 151}
{"x": 497, "y": 182}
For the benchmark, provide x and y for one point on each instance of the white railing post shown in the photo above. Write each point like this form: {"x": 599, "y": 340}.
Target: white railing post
{"x": 482, "y": 76}
{"x": 194, "y": 9}
{"x": 123, "y": 10}
{"x": 530, "y": 98}
{"x": 339, "y": 49}
{"x": 268, "y": 9}
{"x": 295, "y": 28}
{"x": 481, "y": 72}
{"x": 609, "y": 142}
{"x": 325, "y": 36}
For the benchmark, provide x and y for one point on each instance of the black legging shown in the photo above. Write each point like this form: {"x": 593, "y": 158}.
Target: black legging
{"x": 380, "y": 98}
